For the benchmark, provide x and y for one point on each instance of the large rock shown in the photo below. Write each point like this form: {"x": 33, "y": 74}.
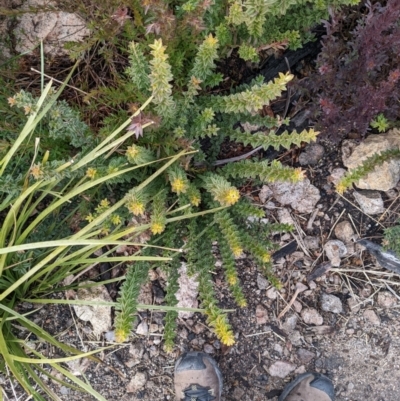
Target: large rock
{"x": 386, "y": 175}
{"x": 55, "y": 28}
{"x": 370, "y": 202}
{"x": 98, "y": 315}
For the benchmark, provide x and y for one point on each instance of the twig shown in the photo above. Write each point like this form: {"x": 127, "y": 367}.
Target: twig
{"x": 60, "y": 82}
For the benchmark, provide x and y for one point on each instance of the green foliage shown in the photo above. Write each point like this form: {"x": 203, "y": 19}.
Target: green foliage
{"x": 380, "y": 123}
{"x": 127, "y": 301}
{"x": 43, "y": 239}
{"x": 392, "y": 239}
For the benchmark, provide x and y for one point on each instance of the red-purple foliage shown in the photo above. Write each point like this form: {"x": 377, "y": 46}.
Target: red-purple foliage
{"x": 360, "y": 77}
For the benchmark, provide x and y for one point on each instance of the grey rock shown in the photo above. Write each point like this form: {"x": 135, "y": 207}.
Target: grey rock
{"x": 137, "y": 382}
{"x": 372, "y": 317}
{"x": 208, "y": 348}
{"x": 386, "y": 175}
{"x": 272, "y": 293}
{"x": 261, "y": 315}
{"x": 311, "y": 242}
{"x": 335, "y": 250}
{"x": 285, "y": 217}
{"x": 312, "y": 154}
{"x": 301, "y": 196}
{"x": 238, "y": 393}
{"x": 336, "y": 175}
{"x": 142, "y": 329}
{"x": 265, "y": 193}
{"x": 370, "y": 202}
{"x": 136, "y": 351}
{"x": 344, "y": 231}
{"x": 305, "y": 356}
{"x": 290, "y": 323}
{"x": 331, "y": 303}
{"x": 311, "y": 316}
{"x": 55, "y": 28}
{"x": 386, "y": 299}
{"x": 281, "y": 369}
{"x": 262, "y": 282}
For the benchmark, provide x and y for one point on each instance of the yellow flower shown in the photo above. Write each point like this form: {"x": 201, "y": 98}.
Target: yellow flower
{"x": 89, "y": 218}
{"x": 12, "y": 101}
{"x": 232, "y": 279}
{"x": 121, "y": 335}
{"x": 132, "y": 151}
{"x": 136, "y": 207}
{"x": 115, "y": 219}
{"x": 195, "y": 200}
{"x": 36, "y": 171}
{"x": 157, "y": 228}
{"x": 340, "y": 187}
{"x": 298, "y": 174}
{"x": 266, "y": 257}
{"x": 91, "y": 173}
{"x": 242, "y": 303}
{"x": 105, "y": 230}
{"x": 178, "y": 185}
{"x": 237, "y": 250}
{"x": 210, "y": 40}
{"x": 104, "y": 203}
{"x": 223, "y": 331}
{"x": 28, "y": 109}
{"x": 229, "y": 197}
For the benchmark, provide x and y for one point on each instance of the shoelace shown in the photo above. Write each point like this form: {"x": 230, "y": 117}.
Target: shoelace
{"x": 198, "y": 393}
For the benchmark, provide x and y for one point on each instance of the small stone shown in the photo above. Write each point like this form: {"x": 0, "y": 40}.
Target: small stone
{"x": 300, "y": 287}
{"x": 238, "y": 393}
{"x": 386, "y": 299}
{"x": 305, "y": 356}
{"x": 350, "y": 386}
{"x": 290, "y": 323}
{"x": 312, "y": 154}
{"x": 370, "y": 202}
{"x": 272, "y": 293}
{"x": 311, "y": 242}
{"x": 285, "y": 217}
{"x": 198, "y": 328}
{"x": 296, "y": 338}
{"x": 281, "y": 369}
{"x": 336, "y": 175}
{"x": 311, "y": 316}
{"x": 353, "y": 305}
{"x": 372, "y": 317}
{"x": 300, "y": 370}
{"x": 153, "y": 328}
{"x": 262, "y": 282}
{"x": 265, "y": 193}
{"x": 335, "y": 250}
{"x": 278, "y": 348}
{"x": 183, "y": 333}
{"x": 261, "y": 315}
{"x": 344, "y": 231}
{"x": 142, "y": 329}
{"x": 64, "y": 390}
{"x": 331, "y": 303}
{"x": 208, "y": 349}
{"x": 137, "y": 382}
{"x": 297, "y": 306}
{"x": 136, "y": 351}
